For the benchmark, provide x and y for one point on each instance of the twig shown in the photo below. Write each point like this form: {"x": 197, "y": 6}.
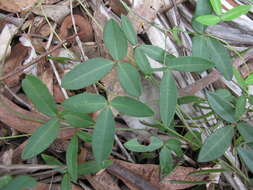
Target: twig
{"x": 58, "y": 78}
{"x": 78, "y": 41}
{"x": 17, "y": 97}
{"x": 13, "y": 20}
{"x": 129, "y": 158}
{"x": 126, "y": 175}
{"x": 199, "y": 84}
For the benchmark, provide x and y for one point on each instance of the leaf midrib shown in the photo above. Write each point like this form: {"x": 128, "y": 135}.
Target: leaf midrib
{"x": 38, "y": 141}
{"x": 84, "y": 75}
{"x": 215, "y": 145}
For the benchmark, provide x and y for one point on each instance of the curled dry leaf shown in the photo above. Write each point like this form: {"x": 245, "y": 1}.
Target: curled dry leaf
{"x": 17, "y": 56}
{"x": 83, "y": 26}
{"x": 6, "y": 35}
{"x": 16, "y": 5}
{"x": 150, "y": 173}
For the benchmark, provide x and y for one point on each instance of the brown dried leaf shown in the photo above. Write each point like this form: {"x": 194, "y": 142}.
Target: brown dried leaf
{"x": 146, "y": 9}
{"x": 85, "y": 31}
{"x": 17, "y": 56}
{"x": 112, "y": 84}
{"x": 102, "y": 181}
{"x": 117, "y": 7}
{"x": 23, "y": 120}
{"x": 43, "y": 186}
{"x": 49, "y": 2}
{"x": 45, "y": 74}
{"x": 16, "y": 5}
{"x": 58, "y": 95}
{"x": 55, "y": 12}
{"x": 150, "y": 173}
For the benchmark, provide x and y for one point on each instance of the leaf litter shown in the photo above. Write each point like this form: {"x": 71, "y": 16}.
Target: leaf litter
{"x": 19, "y": 117}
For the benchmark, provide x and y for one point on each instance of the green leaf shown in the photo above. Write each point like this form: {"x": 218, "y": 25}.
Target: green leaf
{"x": 71, "y": 158}
{"x": 203, "y": 7}
{"x": 199, "y": 44}
{"x": 221, "y": 106}
{"x": 156, "y": 53}
{"x": 219, "y": 55}
{"x": 168, "y": 98}
{"x": 20, "y": 183}
{"x": 188, "y": 182}
{"x": 5, "y": 180}
{"x": 165, "y": 161}
{"x": 189, "y": 64}
{"x": 216, "y": 4}
{"x": 249, "y": 79}
{"x": 92, "y": 167}
{"x": 194, "y": 137}
{"x": 38, "y": 93}
{"x": 174, "y": 145}
{"x": 208, "y": 20}
{"x": 128, "y": 30}
{"x": 135, "y": 146}
{"x": 86, "y": 73}
{"x": 41, "y": 139}
{"x": 216, "y": 53}
{"x": 66, "y": 182}
{"x": 129, "y": 79}
{"x": 132, "y": 107}
{"x": 115, "y": 40}
{"x": 239, "y": 79}
{"x": 189, "y": 99}
{"x": 103, "y": 136}
{"x": 85, "y": 103}
{"x": 142, "y": 61}
{"x": 246, "y": 156}
{"x": 50, "y": 160}
{"x": 225, "y": 94}
{"x": 235, "y": 12}
{"x": 240, "y": 107}
{"x": 246, "y": 130}
{"x": 216, "y": 144}
{"x": 250, "y": 98}
{"x": 85, "y": 136}
{"x": 59, "y": 59}
{"x": 77, "y": 119}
